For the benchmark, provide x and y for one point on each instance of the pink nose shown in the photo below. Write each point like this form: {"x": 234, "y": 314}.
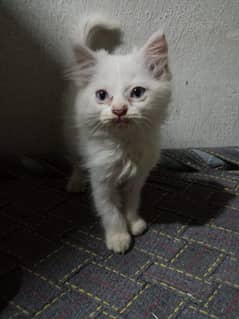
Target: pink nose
{"x": 120, "y": 111}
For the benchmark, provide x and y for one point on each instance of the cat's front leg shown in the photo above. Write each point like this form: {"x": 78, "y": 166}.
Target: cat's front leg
{"x": 132, "y": 191}
{"x": 109, "y": 206}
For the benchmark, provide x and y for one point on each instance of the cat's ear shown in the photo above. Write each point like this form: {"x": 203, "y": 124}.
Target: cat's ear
{"x": 155, "y": 54}
{"x": 83, "y": 55}
{"x": 84, "y": 66}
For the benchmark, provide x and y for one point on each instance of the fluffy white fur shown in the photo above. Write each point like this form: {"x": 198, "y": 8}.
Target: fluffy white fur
{"x": 118, "y": 154}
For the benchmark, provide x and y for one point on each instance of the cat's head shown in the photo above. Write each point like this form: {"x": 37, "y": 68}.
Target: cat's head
{"x": 123, "y": 91}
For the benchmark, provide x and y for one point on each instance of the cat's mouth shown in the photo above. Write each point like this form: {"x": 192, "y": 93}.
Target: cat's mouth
{"x": 121, "y": 121}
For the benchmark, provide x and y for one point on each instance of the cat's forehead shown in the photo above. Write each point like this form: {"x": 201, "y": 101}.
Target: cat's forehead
{"x": 114, "y": 70}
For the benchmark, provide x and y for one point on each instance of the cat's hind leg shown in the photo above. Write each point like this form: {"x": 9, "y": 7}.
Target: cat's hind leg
{"x": 77, "y": 182}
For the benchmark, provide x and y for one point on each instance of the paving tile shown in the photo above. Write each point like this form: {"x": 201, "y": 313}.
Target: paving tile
{"x": 221, "y": 199}
{"x": 46, "y": 200}
{"x": 23, "y": 216}
{"x": 155, "y": 243}
{"x": 110, "y": 287}
{"x": 228, "y": 270}
{"x": 189, "y": 313}
{"x": 129, "y": 263}
{"x": 196, "y": 259}
{"x": 169, "y": 223}
{"x": 62, "y": 264}
{"x": 153, "y": 302}
{"x": 87, "y": 242}
{"x": 192, "y": 209}
{"x": 228, "y": 218}
{"x": 34, "y": 292}
{"x": 8, "y": 311}
{"x": 107, "y": 314}
{"x": 27, "y": 246}
{"x": 226, "y": 303}
{"x": 190, "y": 285}
{"x": 222, "y": 240}
{"x": 72, "y": 305}
{"x": 54, "y": 228}
{"x": 77, "y": 209}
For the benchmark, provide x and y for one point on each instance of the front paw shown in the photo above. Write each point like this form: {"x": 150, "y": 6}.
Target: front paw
{"x": 118, "y": 242}
{"x": 138, "y": 226}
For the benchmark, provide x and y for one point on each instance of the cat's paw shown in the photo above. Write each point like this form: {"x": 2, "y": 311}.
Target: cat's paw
{"x": 138, "y": 226}
{"x": 119, "y": 242}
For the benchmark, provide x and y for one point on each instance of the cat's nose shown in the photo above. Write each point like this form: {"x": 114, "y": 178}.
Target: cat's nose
{"x": 120, "y": 111}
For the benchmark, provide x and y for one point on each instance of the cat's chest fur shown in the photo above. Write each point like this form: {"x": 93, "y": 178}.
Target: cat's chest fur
{"x": 124, "y": 159}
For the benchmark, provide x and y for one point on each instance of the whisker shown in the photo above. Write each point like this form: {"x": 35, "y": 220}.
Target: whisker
{"x": 94, "y": 124}
{"x": 141, "y": 119}
{"x": 96, "y": 127}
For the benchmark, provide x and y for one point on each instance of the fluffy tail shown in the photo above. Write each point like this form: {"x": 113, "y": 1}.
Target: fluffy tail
{"x": 98, "y": 32}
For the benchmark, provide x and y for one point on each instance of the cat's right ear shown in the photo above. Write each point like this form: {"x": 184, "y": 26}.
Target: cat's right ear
{"x": 84, "y": 67}
{"x": 83, "y": 55}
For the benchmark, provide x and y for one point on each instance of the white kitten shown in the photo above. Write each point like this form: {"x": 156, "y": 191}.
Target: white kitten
{"x": 120, "y": 103}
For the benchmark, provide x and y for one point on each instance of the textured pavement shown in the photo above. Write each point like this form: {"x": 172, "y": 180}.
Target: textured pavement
{"x": 53, "y": 260}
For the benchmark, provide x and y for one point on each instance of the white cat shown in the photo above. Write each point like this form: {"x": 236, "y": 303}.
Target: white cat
{"x": 120, "y": 103}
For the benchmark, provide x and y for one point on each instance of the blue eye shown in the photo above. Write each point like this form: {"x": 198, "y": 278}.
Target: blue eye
{"x": 101, "y": 95}
{"x": 137, "y": 92}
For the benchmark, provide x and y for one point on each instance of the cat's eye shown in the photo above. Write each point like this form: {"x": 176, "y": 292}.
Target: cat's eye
{"x": 137, "y": 92}
{"x": 101, "y": 95}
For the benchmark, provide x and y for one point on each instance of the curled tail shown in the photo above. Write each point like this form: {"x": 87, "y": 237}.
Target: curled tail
{"x": 94, "y": 33}
{"x": 98, "y": 32}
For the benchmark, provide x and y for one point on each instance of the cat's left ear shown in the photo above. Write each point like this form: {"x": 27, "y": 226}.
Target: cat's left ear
{"x": 155, "y": 54}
